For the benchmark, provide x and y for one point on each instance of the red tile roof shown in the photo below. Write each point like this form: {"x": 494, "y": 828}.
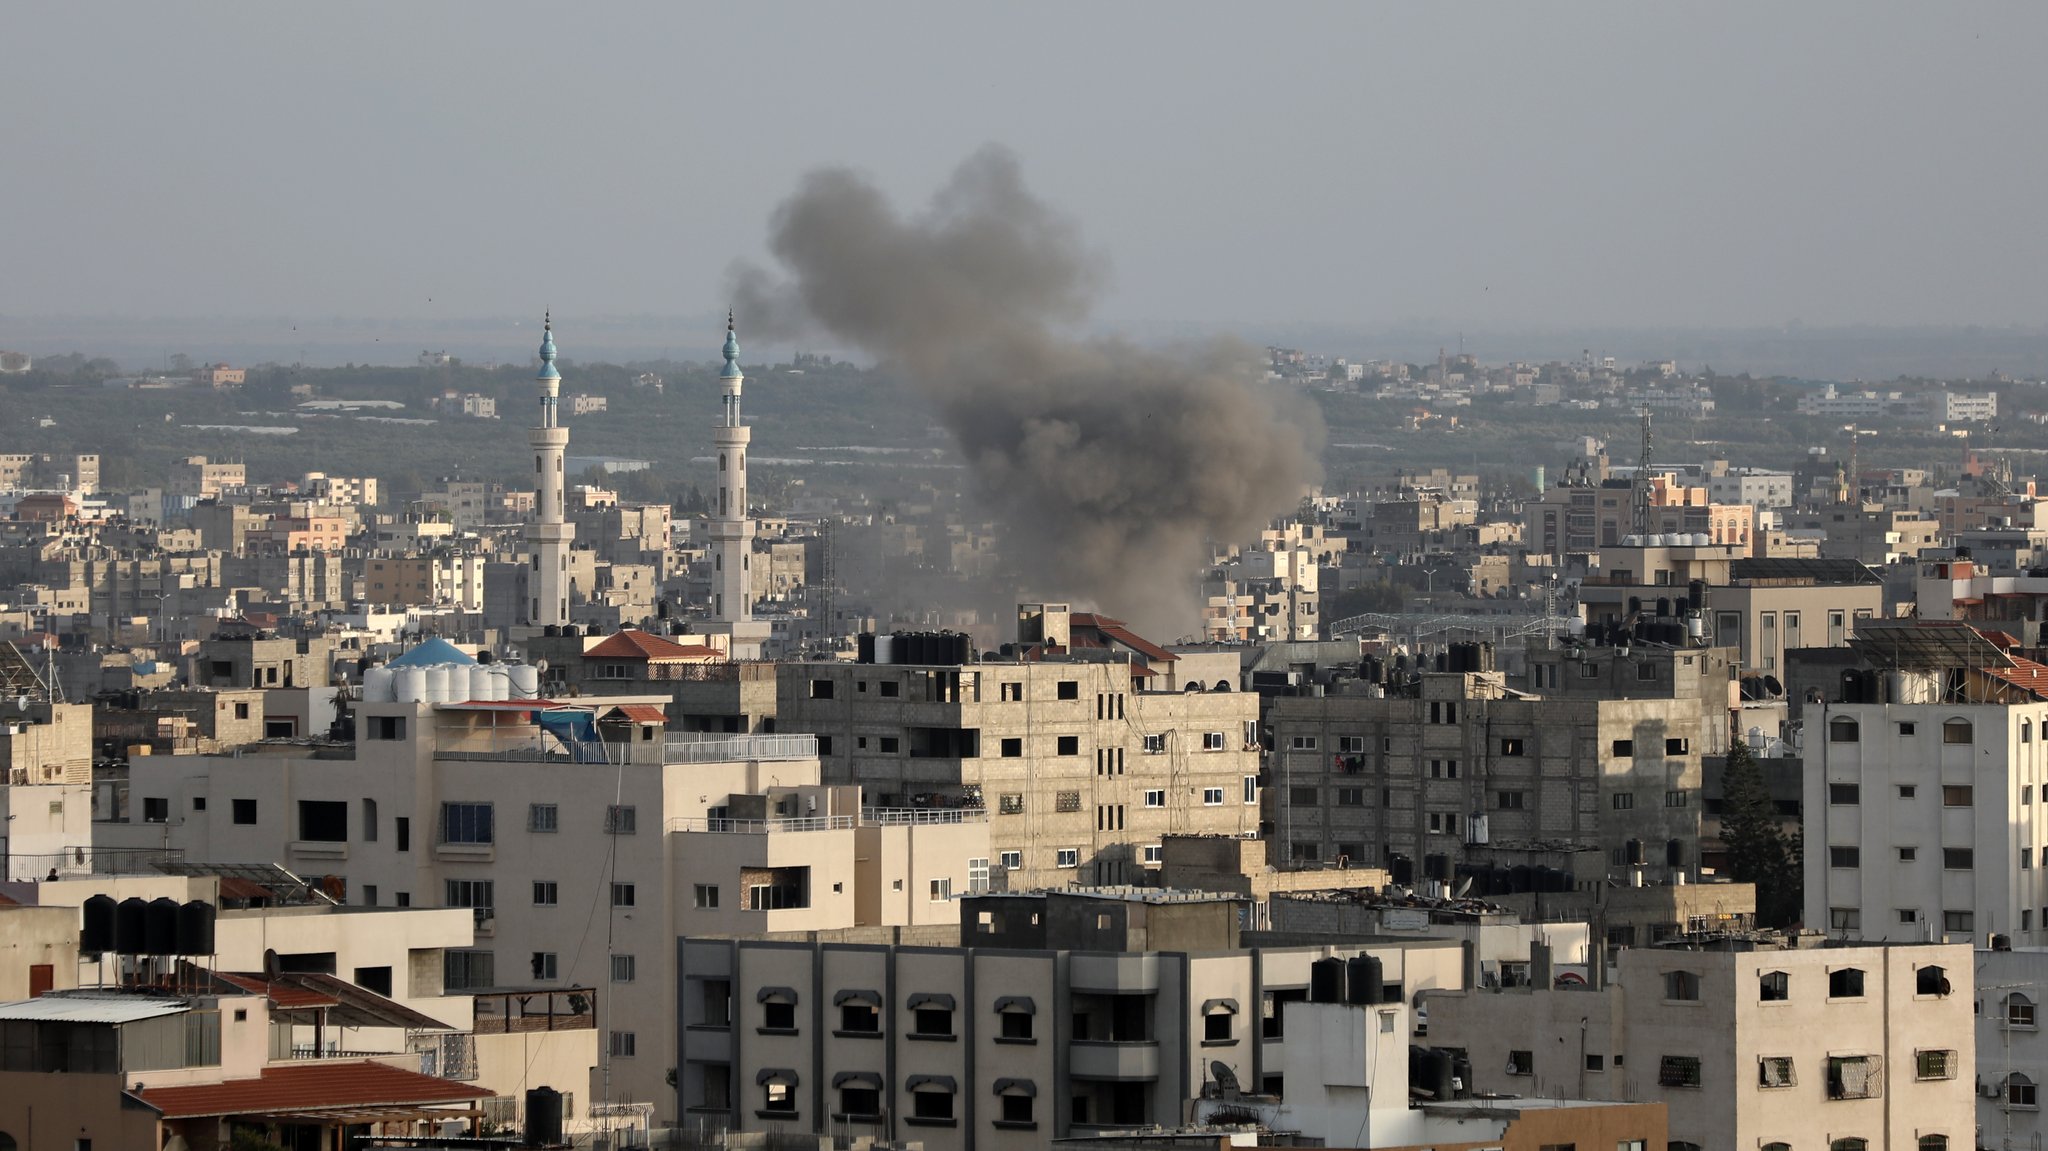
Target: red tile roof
{"x": 2024, "y": 674}
{"x": 285, "y": 995}
{"x": 641, "y": 713}
{"x": 319, "y": 1087}
{"x": 1115, "y": 629}
{"x": 646, "y": 645}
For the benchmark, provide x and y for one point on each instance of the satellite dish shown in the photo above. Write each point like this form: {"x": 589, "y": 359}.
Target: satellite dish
{"x": 1226, "y": 1079}
{"x": 1772, "y": 685}
{"x": 1463, "y": 888}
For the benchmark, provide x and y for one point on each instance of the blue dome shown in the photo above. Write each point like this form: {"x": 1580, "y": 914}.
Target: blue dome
{"x": 430, "y": 652}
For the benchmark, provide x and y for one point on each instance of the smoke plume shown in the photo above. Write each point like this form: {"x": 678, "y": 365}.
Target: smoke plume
{"x": 1109, "y": 464}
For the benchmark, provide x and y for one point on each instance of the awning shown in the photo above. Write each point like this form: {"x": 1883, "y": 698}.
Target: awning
{"x": 931, "y": 1083}
{"x": 323, "y": 1089}
{"x": 1211, "y": 1006}
{"x": 857, "y": 1079}
{"x": 870, "y": 998}
{"x": 776, "y": 995}
{"x": 1019, "y": 1003}
{"x": 931, "y": 999}
{"x": 1016, "y": 1087}
{"x": 775, "y": 1075}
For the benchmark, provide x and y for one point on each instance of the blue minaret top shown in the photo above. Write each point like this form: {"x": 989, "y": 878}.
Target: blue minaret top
{"x": 547, "y": 349}
{"x": 732, "y": 352}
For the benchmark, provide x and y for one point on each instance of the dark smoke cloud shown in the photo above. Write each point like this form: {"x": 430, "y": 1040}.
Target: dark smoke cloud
{"x": 1110, "y": 464}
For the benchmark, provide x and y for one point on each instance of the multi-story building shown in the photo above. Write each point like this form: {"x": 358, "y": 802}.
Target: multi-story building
{"x": 1925, "y": 790}
{"x": 1748, "y": 1044}
{"x": 996, "y": 1047}
{"x": 197, "y": 478}
{"x": 1466, "y": 776}
{"x": 2012, "y": 1050}
{"x": 584, "y": 404}
{"x": 1083, "y": 748}
{"x": 583, "y": 838}
{"x": 339, "y": 491}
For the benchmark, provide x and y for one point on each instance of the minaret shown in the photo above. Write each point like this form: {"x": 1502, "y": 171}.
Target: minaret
{"x": 732, "y": 532}
{"x": 549, "y": 533}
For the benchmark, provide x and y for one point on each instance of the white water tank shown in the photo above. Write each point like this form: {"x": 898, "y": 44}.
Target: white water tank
{"x": 377, "y": 684}
{"x": 525, "y": 681}
{"x": 409, "y": 685}
{"x": 501, "y": 683}
{"x": 479, "y": 682}
{"x": 437, "y": 683}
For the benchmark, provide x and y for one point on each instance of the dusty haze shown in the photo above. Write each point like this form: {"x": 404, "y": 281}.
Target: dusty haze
{"x": 1110, "y": 465}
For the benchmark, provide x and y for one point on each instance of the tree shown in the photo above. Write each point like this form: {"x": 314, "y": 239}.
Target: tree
{"x": 1757, "y": 848}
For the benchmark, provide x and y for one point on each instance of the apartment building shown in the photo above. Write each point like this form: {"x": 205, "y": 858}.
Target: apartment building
{"x": 1925, "y": 790}
{"x": 990, "y": 1048}
{"x": 561, "y": 810}
{"x": 2012, "y": 1050}
{"x": 1084, "y": 757}
{"x": 1464, "y": 776}
{"x": 1748, "y": 1044}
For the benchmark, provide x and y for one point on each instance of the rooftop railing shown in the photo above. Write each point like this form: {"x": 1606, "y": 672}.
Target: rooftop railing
{"x": 868, "y": 817}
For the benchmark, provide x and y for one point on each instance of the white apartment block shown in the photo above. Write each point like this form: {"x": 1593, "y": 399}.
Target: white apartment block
{"x": 1923, "y": 816}
{"x": 579, "y": 867}
{"x": 1083, "y": 767}
{"x": 2012, "y": 1050}
{"x": 1852, "y": 1048}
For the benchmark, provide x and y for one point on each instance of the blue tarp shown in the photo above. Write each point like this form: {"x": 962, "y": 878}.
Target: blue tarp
{"x": 577, "y": 730}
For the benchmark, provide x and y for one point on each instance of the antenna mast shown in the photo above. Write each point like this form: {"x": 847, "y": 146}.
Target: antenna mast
{"x": 1640, "y": 497}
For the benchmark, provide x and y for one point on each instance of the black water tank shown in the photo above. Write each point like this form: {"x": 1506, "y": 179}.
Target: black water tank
{"x": 1663, "y": 605}
{"x": 543, "y": 1117}
{"x": 1326, "y": 981}
{"x": 963, "y": 648}
{"x": 160, "y": 927}
{"x": 866, "y": 648}
{"x": 97, "y": 932}
{"x": 1440, "y": 1072}
{"x": 131, "y": 921}
{"x": 1402, "y": 869}
{"x": 1368, "y": 982}
{"x": 1521, "y": 878}
{"x": 195, "y": 928}
{"x": 1696, "y": 594}
{"x": 1462, "y": 1068}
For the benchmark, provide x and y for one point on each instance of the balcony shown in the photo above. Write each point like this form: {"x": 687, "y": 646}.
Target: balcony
{"x": 1133, "y": 1060}
{"x": 868, "y": 817}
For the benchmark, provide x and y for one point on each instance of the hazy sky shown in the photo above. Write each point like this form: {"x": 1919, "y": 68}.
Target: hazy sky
{"x": 1532, "y": 164}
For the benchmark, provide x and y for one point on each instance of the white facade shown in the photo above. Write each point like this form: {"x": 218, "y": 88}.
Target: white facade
{"x": 2012, "y": 1050}
{"x": 1923, "y": 821}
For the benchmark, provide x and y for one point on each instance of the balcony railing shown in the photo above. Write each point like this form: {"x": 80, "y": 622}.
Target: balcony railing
{"x": 676, "y": 749}
{"x": 868, "y": 817}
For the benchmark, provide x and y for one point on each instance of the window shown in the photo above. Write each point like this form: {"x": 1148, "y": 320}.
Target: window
{"x": 1682, "y": 985}
{"x": 1068, "y": 689}
{"x": 1212, "y": 741}
{"x": 1844, "y": 794}
{"x": 156, "y": 809}
{"x": 779, "y": 1095}
{"x": 892, "y": 744}
{"x": 1011, "y": 692}
{"x": 1013, "y": 748}
{"x": 1842, "y": 729}
{"x": 1016, "y": 1015}
{"x": 477, "y": 894}
{"x": 1956, "y": 796}
{"x": 543, "y": 965}
{"x": 1069, "y": 745}
{"x": 386, "y": 727}
{"x": 323, "y": 821}
{"x": 1908, "y": 854}
{"x": 1350, "y": 797}
{"x": 245, "y": 810}
{"x": 1956, "y": 731}
{"x": 1933, "y": 1143}
{"x": 1845, "y": 919}
{"x": 369, "y": 821}
{"x": 860, "y": 1017}
{"x": 1931, "y": 980}
{"x": 821, "y": 689}
{"x": 1510, "y": 800}
{"x": 1957, "y": 859}
{"x": 462, "y": 970}
{"x": 2019, "y": 1010}
{"x": 1624, "y": 748}
{"x": 1845, "y": 983}
{"x": 1212, "y": 797}
{"x": 544, "y": 893}
{"x": 1853, "y": 1077}
{"x": 1155, "y": 743}
{"x": 623, "y": 968}
{"x": 1011, "y": 860}
{"x": 1850, "y": 1144}
{"x": 622, "y": 895}
{"x": 889, "y": 688}
{"x": 1909, "y": 915}
{"x": 1251, "y": 789}
{"x": 466, "y": 823}
{"x": 1677, "y": 799}
{"x": 1934, "y": 1065}
{"x": 377, "y": 979}
{"x": 1303, "y": 797}
{"x": 932, "y": 1105}
{"x": 1010, "y": 803}
{"x": 941, "y": 889}
{"x": 1016, "y": 1109}
{"x": 1622, "y": 801}
{"x": 2020, "y": 1092}
{"x": 933, "y": 1020}
{"x": 1775, "y": 1071}
{"x": 707, "y": 895}
{"x": 1521, "y": 1063}
{"x": 1845, "y": 857}
{"x": 1511, "y": 747}
{"x": 1907, "y": 728}
{"x": 1679, "y": 1071}
{"x": 862, "y": 1101}
{"x": 1154, "y": 853}
{"x": 1155, "y": 798}
{"x": 1067, "y": 857}
{"x": 1908, "y": 791}
{"x": 1216, "y": 1026}
{"x": 402, "y": 827}
{"x": 1302, "y": 743}
{"x": 1774, "y": 987}
{"x": 1678, "y": 745}
{"x": 623, "y": 1044}
{"x": 778, "y": 1014}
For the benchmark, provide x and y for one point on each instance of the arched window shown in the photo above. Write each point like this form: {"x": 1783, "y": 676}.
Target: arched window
{"x": 1957, "y": 731}
{"x": 2019, "y": 1010}
{"x": 1842, "y": 729}
{"x": 1930, "y": 980}
{"x": 721, "y": 461}
{"x": 2020, "y": 1092}
{"x": 2026, "y": 731}
{"x": 1777, "y": 1147}
{"x": 1681, "y": 1145}
{"x": 1934, "y": 1143}
{"x": 1774, "y": 987}
{"x": 7, "y": 1142}
{"x": 1850, "y": 1144}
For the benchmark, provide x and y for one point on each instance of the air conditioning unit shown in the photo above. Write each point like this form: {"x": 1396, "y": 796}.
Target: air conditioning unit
{"x": 1987, "y": 1090}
